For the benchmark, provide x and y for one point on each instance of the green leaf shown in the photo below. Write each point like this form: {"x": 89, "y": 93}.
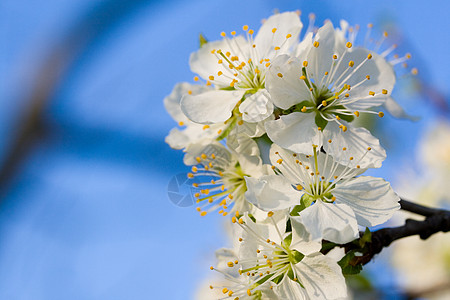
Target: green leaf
{"x": 366, "y": 238}
{"x": 202, "y": 40}
{"x": 327, "y": 246}
{"x": 320, "y": 122}
{"x": 348, "y": 265}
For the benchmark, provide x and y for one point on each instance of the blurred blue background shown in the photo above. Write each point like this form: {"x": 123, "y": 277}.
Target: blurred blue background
{"x": 84, "y": 211}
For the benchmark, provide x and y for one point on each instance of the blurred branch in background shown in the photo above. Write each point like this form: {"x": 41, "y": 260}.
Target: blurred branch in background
{"x": 31, "y": 126}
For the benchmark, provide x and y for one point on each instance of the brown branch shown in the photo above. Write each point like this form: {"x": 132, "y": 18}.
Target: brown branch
{"x": 437, "y": 220}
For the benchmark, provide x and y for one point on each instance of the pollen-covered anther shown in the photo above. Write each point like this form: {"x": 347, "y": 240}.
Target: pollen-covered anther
{"x": 270, "y": 214}
{"x": 279, "y": 161}
{"x": 288, "y": 35}
{"x": 181, "y": 123}
{"x": 203, "y": 213}
{"x": 303, "y": 109}
{"x": 251, "y": 31}
{"x": 233, "y": 33}
{"x": 329, "y": 141}
{"x": 316, "y": 44}
{"x": 383, "y": 91}
{"x": 223, "y": 34}
{"x": 299, "y": 187}
{"x": 280, "y": 75}
{"x": 368, "y": 77}
{"x": 240, "y": 122}
{"x": 245, "y": 27}
{"x": 334, "y": 56}
{"x": 351, "y": 63}
{"x": 348, "y": 45}
{"x": 196, "y": 78}
{"x": 381, "y": 114}
{"x": 230, "y": 264}
{"x": 305, "y": 63}
{"x": 371, "y": 93}
{"x": 324, "y": 103}
{"x": 224, "y": 290}
{"x": 356, "y": 113}
{"x": 190, "y": 175}
{"x": 369, "y": 56}
{"x": 274, "y": 30}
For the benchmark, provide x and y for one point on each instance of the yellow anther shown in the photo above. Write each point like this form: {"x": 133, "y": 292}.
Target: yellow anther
{"x": 351, "y": 158}
{"x": 203, "y": 213}
{"x": 334, "y": 56}
{"x": 319, "y": 128}
{"x": 408, "y": 55}
{"x": 280, "y": 75}
{"x": 245, "y": 27}
{"x": 181, "y": 123}
{"x": 267, "y": 64}
{"x": 383, "y": 91}
{"x": 333, "y": 198}
{"x": 194, "y": 169}
{"x": 371, "y": 93}
{"x": 273, "y": 167}
{"x": 212, "y": 268}
{"x": 228, "y": 54}
{"x": 368, "y": 148}
{"x": 230, "y": 264}
{"x": 233, "y": 33}
{"x": 240, "y": 240}
{"x": 414, "y": 71}
{"x": 288, "y": 35}
{"x": 270, "y": 214}
{"x": 348, "y": 45}
{"x": 230, "y": 293}
{"x": 225, "y": 290}
{"x": 208, "y": 83}
{"x": 249, "y": 292}
{"x": 213, "y": 51}
{"x": 316, "y": 44}
{"x": 225, "y": 213}
{"x": 356, "y": 113}
{"x": 190, "y": 175}
{"x": 381, "y": 114}
{"x": 241, "y": 221}
{"x": 324, "y": 103}
{"x": 326, "y": 73}
{"x": 344, "y": 128}
{"x": 358, "y": 166}
{"x": 211, "y": 77}
{"x": 370, "y": 25}
{"x": 338, "y": 118}
{"x": 240, "y": 122}
{"x": 196, "y": 78}
{"x": 351, "y": 63}
{"x": 203, "y": 155}
{"x": 369, "y": 56}
{"x": 274, "y": 30}
{"x": 250, "y": 31}
{"x": 257, "y": 71}
{"x": 299, "y": 187}
{"x": 368, "y": 77}
{"x": 347, "y": 95}
{"x": 279, "y": 161}
{"x": 195, "y": 185}
{"x": 237, "y": 213}
{"x": 277, "y": 48}
{"x": 210, "y": 200}
{"x": 385, "y": 34}
{"x": 305, "y": 63}
{"x": 302, "y": 77}
{"x": 329, "y": 141}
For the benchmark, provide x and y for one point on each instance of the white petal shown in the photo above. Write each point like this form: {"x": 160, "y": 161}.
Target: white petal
{"x": 205, "y": 63}
{"x": 381, "y": 74}
{"x": 322, "y": 277}
{"x": 290, "y": 289}
{"x": 356, "y": 141}
{"x": 193, "y": 134}
{"x": 320, "y": 58}
{"x": 285, "y": 23}
{"x": 301, "y": 238}
{"x": 257, "y": 107}
{"x": 397, "y": 111}
{"x": 210, "y": 107}
{"x": 372, "y": 199}
{"x": 172, "y": 102}
{"x": 296, "y": 132}
{"x": 330, "y": 221}
{"x": 271, "y": 192}
{"x": 284, "y": 84}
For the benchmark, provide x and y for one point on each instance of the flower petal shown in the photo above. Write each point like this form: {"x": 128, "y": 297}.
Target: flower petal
{"x": 257, "y": 107}
{"x": 285, "y": 23}
{"x": 284, "y": 84}
{"x": 322, "y": 277}
{"x": 296, "y": 132}
{"x": 271, "y": 192}
{"x": 372, "y": 199}
{"x": 301, "y": 238}
{"x": 331, "y": 221}
{"x": 356, "y": 141}
{"x": 210, "y": 107}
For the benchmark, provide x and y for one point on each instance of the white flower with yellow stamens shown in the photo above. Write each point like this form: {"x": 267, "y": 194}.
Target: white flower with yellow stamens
{"x": 237, "y": 67}
{"x": 328, "y": 196}
{"x": 219, "y": 177}
{"x": 328, "y": 85}
{"x": 289, "y": 262}
{"x": 192, "y": 133}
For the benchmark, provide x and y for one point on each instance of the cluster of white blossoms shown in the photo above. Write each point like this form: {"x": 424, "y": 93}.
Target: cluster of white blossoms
{"x": 269, "y": 133}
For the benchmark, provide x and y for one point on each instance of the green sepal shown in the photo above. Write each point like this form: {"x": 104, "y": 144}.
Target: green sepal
{"x": 228, "y": 88}
{"x": 278, "y": 279}
{"x": 297, "y": 256}
{"x": 366, "y": 238}
{"x": 320, "y": 122}
{"x": 202, "y": 40}
{"x": 349, "y": 264}
{"x": 290, "y": 274}
{"x": 227, "y": 130}
{"x": 287, "y": 240}
{"x": 298, "y": 107}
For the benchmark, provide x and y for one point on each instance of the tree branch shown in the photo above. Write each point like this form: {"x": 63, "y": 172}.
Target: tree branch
{"x": 436, "y": 220}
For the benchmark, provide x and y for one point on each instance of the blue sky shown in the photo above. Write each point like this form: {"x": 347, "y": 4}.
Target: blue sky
{"x": 86, "y": 213}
